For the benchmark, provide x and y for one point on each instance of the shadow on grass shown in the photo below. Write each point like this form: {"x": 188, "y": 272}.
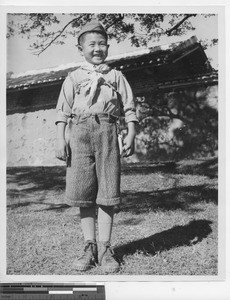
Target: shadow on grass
{"x": 204, "y": 167}
{"x": 25, "y": 183}
{"x": 131, "y": 221}
{"x": 50, "y": 206}
{"x": 177, "y": 236}
{"x": 32, "y": 183}
{"x": 40, "y": 178}
{"x": 33, "y": 179}
{"x": 170, "y": 199}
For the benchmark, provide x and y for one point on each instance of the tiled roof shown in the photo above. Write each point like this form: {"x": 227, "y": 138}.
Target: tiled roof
{"x": 205, "y": 79}
{"x": 154, "y": 56}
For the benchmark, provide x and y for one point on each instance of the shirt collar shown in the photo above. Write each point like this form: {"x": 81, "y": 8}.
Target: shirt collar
{"x": 91, "y": 67}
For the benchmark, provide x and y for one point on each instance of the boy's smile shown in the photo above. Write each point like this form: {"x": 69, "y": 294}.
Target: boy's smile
{"x": 94, "y": 47}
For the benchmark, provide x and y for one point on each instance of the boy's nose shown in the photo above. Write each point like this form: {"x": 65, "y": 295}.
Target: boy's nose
{"x": 97, "y": 48}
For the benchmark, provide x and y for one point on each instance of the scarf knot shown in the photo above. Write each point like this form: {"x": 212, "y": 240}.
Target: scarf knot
{"x": 95, "y": 80}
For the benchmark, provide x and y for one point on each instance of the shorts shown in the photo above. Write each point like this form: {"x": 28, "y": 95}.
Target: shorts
{"x": 93, "y": 172}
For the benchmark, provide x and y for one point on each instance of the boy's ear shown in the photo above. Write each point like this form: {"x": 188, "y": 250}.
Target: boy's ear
{"x": 80, "y": 49}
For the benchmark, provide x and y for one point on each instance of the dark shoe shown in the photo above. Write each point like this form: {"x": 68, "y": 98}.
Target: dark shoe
{"x": 106, "y": 258}
{"x": 88, "y": 259}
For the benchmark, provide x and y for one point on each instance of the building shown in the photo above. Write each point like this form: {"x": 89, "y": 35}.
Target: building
{"x": 155, "y": 73}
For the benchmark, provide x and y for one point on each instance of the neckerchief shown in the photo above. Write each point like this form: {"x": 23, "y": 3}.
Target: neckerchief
{"x": 94, "y": 80}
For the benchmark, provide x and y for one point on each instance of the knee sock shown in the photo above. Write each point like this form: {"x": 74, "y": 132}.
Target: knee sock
{"x": 88, "y": 217}
{"x": 105, "y": 223}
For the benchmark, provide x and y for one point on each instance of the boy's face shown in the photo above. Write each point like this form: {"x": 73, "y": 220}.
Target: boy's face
{"x": 94, "y": 47}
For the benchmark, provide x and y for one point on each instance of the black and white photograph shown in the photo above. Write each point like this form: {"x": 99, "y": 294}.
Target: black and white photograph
{"x": 112, "y": 143}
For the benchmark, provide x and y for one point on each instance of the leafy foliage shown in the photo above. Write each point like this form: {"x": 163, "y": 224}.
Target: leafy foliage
{"x": 48, "y": 28}
{"x": 179, "y": 124}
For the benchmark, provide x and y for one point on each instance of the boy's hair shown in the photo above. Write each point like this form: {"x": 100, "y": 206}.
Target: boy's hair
{"x": 93, "y": 26}
{"x": 81, "y": 38}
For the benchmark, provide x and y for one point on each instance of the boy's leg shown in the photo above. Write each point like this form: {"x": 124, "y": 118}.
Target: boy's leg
{"x": 105, "y": 252}
{"x": 89, "y": 258}
{"x": 107, "y": 159}
{"x": 105, "y": 223}
{"x": 88, "y": 218}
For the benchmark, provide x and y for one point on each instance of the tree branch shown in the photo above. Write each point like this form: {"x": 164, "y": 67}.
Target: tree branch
{"x": 169, "y": 31}
{"x": 58, "y": 35}
{"x": 121, "y": 17}
{"x": 162, "y": 112}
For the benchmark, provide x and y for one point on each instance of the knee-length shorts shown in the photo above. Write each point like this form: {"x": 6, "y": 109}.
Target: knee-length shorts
{"x": 93, "y": 171}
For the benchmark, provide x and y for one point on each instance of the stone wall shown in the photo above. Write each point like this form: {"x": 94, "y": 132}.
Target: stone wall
{"x": 31, "y": 129}
{"x": 31, "y": 139}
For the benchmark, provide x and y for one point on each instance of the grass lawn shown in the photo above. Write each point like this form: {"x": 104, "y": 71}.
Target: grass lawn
{"x": 166, "y": 224}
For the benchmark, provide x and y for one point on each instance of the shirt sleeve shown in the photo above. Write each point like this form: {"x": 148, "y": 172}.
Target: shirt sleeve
{"x": 65, "y": 101}
{"x": 127, "y": 98}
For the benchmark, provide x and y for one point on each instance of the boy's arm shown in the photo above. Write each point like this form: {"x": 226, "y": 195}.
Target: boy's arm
{"x": 63, "y": 109}
{"x": 128, "y": 148}
{"x": 61, "y": 148}
{"x": 129, "y": 108}
{"x": 127, "y": 98}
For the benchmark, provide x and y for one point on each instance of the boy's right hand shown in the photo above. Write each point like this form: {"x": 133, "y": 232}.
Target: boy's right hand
{"x": 62, "y": 149}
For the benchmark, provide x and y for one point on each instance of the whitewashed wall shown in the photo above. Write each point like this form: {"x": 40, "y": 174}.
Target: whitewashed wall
{"x": 31, "y": 139}
{"x": 31, "y": 136}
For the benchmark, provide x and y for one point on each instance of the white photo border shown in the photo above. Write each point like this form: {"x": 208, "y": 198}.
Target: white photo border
{"x": 146, "y": 287}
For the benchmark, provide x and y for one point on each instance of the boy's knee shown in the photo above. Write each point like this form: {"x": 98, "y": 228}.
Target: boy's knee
{"x": 87, "y": 211}
{"x": 107, "y": 209}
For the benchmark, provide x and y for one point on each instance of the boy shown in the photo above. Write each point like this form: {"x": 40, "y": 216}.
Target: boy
{"x": 91, "y": 100}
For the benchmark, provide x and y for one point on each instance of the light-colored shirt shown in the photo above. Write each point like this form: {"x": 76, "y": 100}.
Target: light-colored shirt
{"x": 89, "y": 90}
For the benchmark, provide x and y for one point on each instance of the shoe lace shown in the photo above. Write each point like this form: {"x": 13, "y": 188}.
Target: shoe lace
{"x": 88, "y": 246}
{"x": 109, "y": 248}
{"x": 111, "y": 251}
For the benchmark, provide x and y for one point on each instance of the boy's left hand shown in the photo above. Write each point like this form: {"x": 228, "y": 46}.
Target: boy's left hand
{"x": 128, "y": 147}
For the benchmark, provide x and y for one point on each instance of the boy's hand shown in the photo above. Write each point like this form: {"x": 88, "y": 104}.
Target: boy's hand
{"x": 62, "y": 150}
{"x": 128, "y": 148}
